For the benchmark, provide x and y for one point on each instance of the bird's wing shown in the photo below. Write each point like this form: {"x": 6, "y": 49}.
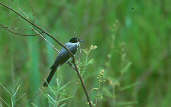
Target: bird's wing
{"x": 71, "y": 47}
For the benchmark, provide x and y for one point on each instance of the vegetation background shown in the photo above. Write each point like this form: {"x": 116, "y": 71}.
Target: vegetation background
{"x": 125, "y": 60}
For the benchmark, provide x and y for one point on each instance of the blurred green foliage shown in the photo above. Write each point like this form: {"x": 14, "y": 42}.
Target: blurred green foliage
{"x": 125, "y": 59}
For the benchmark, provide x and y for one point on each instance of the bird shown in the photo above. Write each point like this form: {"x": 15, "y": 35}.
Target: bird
{"x": 63, "y": 57}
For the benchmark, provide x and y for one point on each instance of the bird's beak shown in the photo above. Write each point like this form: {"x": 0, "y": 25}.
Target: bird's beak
{"x": 81, "y": 41}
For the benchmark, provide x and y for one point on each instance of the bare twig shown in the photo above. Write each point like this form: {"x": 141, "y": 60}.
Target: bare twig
{"x": 14, "y": 32}
{"x": 46, "y": 40}
{"x": 48, "y": 34}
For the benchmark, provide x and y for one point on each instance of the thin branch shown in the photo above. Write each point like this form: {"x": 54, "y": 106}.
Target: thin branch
{"x": 46, "y": 40}
{"x": 43, "y": 31}
{"x": 82, "y": 82}
{"x": 14, "y": 32}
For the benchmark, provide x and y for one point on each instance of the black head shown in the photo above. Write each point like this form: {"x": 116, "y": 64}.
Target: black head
{"x": 74, "y": 40}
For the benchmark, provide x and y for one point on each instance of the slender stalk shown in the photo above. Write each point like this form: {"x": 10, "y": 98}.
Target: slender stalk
{"x": 14, "y": 32}
{"x": 48, "y": 34}
{"x": 82, "y": 83}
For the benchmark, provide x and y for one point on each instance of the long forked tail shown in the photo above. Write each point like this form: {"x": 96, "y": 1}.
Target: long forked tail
{"x": 51, "y": 74}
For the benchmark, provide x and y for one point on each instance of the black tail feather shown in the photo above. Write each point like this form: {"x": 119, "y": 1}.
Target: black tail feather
{"x": 51, "y": 74}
